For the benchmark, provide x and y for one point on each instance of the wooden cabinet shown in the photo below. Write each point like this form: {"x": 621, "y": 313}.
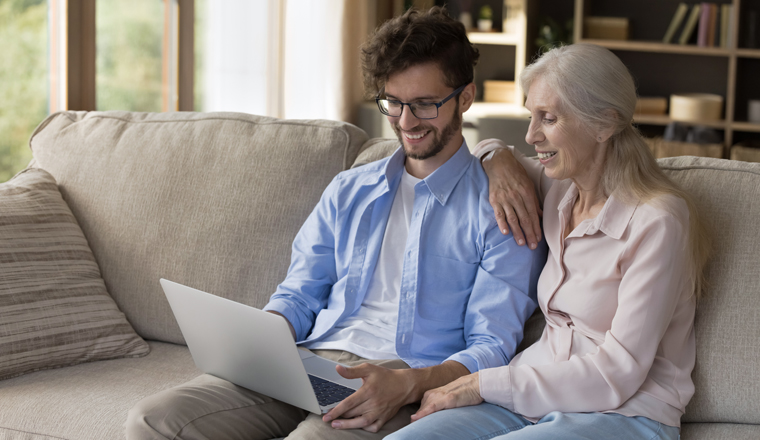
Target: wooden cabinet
{"x": 663, "y": 69}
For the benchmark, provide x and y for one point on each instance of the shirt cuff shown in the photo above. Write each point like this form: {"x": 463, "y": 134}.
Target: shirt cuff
{"x": 468, "y": 361}
{"x": 289, "y": 312}
{"x": 488, "y": 151}
{"x": 496, "y": 387}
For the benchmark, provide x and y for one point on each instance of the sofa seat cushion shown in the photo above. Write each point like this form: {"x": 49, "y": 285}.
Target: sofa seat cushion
{"x": 88, "y": 401}
{"x": 209, "y": 200}
{"x": 54, "y": 305}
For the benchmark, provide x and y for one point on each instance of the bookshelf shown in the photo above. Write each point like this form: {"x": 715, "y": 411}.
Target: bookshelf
{"x": 502, "y": 57}
{"x": 661, "y": 69}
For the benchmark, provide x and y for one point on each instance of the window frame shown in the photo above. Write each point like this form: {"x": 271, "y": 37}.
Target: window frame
{"x": 73, "y": 50}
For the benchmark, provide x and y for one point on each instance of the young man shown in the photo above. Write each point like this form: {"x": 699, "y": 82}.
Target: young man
{"x": 401, "y": 264}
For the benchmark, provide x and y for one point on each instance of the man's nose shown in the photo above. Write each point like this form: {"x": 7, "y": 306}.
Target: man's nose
{"x": 407, "y": 120}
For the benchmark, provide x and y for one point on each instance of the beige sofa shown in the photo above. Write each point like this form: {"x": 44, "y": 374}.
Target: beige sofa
{"x": 214, "y": 201}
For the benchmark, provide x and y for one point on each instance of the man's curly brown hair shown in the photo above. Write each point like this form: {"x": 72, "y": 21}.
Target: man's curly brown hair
{"x": 416, "y": 38}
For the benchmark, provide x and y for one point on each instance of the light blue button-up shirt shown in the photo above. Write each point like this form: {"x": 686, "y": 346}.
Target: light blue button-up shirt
{"x": 466, "y": 289}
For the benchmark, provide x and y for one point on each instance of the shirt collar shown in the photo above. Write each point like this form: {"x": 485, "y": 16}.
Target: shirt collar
{"x": 614, "y": 217}
{"x": 391, "y": 171}
{"x": 612, "y": 220}
{"x": 440, "y": 182}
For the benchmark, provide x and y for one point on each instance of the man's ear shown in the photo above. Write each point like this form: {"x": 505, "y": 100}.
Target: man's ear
{"x": 467, "y": 97}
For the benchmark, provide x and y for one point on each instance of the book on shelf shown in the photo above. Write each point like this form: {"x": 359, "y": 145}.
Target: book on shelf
{"x": 725, "y": 25}
{"x": 704, "y": 25}
{"x": 718, "y": 26}
{"x": 712, "y": 25}
{"x": 691, "y": 24}
{"x": 675, "y": 23}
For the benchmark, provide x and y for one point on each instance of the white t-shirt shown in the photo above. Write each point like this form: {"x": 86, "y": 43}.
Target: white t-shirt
{"x": 371, "y": 331}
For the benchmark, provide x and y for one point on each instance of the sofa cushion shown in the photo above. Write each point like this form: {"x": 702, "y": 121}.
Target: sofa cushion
{"x": 726, "y": 376}
{"x": 209, "y": 200}
{"x": 719, "y": 431}
{"x": 54, "y": 305}
{"x": 88, "y": 401}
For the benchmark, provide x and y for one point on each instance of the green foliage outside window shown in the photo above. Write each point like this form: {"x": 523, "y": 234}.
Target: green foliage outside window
{"x": 128, "y": 66}
{"x": 128, "y": 62}
{"x": 23, "y": 80}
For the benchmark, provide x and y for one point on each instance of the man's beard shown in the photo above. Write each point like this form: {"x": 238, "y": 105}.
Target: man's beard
{"x": 439, "y": 139}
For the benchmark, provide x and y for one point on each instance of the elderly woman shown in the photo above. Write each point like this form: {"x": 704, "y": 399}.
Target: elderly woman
{"x": 620, "y": 285}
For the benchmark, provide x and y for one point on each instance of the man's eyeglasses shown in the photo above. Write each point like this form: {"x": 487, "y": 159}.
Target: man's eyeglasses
{"x": 420, "y": 110}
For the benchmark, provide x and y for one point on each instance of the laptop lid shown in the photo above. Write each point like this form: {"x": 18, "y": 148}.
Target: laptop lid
{"x": 241, "y": 344}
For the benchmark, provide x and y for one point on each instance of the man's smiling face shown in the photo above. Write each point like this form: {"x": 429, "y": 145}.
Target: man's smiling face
{"x": 425, "y": 138}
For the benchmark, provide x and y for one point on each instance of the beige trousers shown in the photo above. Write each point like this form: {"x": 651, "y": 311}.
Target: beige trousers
{"x": 210, "y": 408}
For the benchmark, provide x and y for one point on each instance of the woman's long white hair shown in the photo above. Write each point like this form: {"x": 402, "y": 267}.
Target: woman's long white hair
{"x": 594, "y": 85}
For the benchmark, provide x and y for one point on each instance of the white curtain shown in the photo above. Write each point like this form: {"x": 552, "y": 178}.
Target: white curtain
{"x": 322, "y": 60}
{"x": 288, "y": 59}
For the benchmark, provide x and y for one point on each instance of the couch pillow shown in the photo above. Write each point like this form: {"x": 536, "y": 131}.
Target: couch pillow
{"x": 54, "y": 307}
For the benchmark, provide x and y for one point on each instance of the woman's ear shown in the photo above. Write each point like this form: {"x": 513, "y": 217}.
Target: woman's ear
{"x": 607, "y": 131}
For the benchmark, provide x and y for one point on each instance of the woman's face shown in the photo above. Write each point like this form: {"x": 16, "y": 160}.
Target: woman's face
{"x": 566, "y": 148}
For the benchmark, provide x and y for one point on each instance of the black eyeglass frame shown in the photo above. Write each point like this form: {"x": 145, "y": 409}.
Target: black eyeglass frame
{"x": 437, "y": 105}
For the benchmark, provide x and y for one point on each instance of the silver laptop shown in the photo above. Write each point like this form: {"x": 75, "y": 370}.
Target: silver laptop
{"x": 254, "y": 349}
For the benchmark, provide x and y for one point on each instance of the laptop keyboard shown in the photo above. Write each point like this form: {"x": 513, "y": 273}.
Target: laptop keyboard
{"x": 328, "y": 392}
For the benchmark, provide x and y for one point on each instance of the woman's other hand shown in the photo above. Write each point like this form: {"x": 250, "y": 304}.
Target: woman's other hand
{"x": 512, "y": 195}
{"x": 464, "y": 391}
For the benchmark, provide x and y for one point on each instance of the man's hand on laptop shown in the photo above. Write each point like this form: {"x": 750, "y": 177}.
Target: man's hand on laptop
{"x": 384, "y": 391}
{"x": 292, "y": 330}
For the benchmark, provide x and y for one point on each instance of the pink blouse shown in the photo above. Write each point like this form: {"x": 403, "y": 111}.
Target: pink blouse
{"x": 619, "y": 311}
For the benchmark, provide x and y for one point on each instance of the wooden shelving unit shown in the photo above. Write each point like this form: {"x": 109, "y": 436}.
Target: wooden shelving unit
{"x": 734, "y": 58}
{"x": 657, "y": 47}
{"x": 516, "y": 38}
{"x": 495, "y": 38}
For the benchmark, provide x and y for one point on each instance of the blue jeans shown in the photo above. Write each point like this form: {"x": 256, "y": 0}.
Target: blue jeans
{"x": 486, "y": 421}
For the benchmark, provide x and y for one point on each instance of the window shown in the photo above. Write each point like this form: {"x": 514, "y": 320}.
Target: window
{"x": 129, "y": 63}
{"x": 23, "y": 79}
{"x": 237, "y": 56}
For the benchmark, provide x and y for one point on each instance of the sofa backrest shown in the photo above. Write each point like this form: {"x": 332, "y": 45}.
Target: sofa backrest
{"x": 211, "y": 200}
{"x": 727, "y": 374}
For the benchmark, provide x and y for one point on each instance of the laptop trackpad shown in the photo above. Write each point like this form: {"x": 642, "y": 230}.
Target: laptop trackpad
{"x": 325, "y": 368}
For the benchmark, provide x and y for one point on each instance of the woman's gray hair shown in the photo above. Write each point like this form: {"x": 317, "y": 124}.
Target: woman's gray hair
{"x": 590, "y": 81}
{"x": 596, "y": 87}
